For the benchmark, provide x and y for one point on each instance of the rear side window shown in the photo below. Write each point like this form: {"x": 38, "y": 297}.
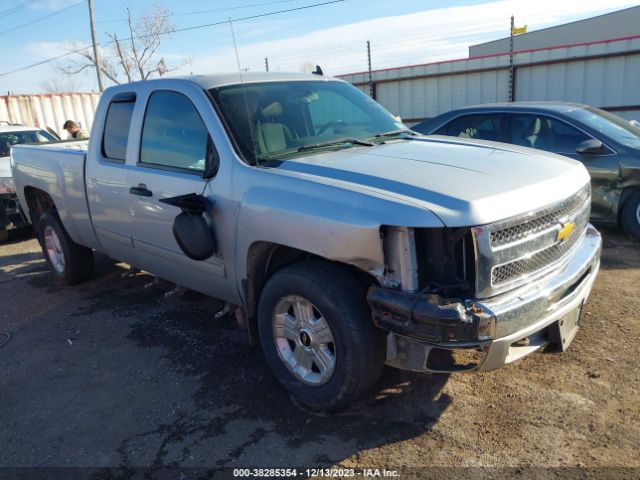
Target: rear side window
{"x": 481, "y": 127}
{"x": 116, "y": 128}
{"x": 173, "y": 136}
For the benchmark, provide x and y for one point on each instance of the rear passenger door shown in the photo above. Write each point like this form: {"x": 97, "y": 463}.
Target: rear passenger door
{"x": 171, "y": 162}
{"x": 107, "y": 178}
{"x": 481, "y": 126}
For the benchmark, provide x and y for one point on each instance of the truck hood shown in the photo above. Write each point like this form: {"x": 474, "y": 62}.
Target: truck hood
{"x": 464, "y": 183}
{"x": 5, "y": 167}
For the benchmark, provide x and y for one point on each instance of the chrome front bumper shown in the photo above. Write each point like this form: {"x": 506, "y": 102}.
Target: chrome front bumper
{"x": 524, "y": 313}
{"x": 523, "y": 317}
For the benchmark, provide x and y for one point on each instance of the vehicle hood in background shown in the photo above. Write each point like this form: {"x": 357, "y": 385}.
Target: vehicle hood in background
{"x": 464, "y": 183}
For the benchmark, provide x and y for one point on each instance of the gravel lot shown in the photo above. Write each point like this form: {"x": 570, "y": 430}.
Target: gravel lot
{"x": 113, "y": 374}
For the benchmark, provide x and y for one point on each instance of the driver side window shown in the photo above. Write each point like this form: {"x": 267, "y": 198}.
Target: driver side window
{"x": 544, "y": 133}
{"x": 174, "y": 136}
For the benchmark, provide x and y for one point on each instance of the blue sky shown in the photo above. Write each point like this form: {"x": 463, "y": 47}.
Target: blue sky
{"x": 401, "y": 32}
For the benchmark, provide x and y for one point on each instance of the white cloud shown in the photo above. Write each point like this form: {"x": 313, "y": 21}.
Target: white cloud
{"x": 432, "y": 35}
{"x": 42, "y": 50}
{"x": 49, "y": 5}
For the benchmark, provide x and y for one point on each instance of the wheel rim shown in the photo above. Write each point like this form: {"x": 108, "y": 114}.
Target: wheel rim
{"x": 638, "y": 214}
{"x": 304, "y": 340}
{"x": 54, "y": 249}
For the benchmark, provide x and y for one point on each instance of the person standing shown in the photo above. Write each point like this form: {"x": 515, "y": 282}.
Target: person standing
{"x": 75, "y": 132}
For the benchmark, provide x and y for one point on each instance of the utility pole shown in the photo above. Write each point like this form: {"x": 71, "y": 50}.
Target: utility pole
{"x": 372, "y": 93}
{"x": 96, "y": 56}
{"x": 511, "y": 60}
{"x": 266, "y": 64}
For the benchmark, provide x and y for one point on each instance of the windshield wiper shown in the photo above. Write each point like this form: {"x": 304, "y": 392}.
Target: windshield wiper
{"x": 330, "y": 143}
{"x": 313, "y": 146}
{"x": 393, "y": 133}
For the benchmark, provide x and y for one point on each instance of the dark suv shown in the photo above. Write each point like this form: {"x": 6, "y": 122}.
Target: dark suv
{"x": 608, "y": 145}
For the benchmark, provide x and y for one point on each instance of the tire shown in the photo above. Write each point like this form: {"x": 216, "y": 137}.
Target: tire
{"x": 70, "y": 263}
{"x": 4, "y": 235}
{"x": 630, "y": 215}
{"x": 322, "y": 295}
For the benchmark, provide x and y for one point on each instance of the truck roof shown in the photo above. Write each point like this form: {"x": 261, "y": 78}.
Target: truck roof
{"x": 220, "y": 79}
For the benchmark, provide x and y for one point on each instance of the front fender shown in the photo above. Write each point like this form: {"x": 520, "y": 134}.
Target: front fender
{"x": 337, "y": 224}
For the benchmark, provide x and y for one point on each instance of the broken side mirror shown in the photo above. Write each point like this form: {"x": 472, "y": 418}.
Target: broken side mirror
{"x": 590, "y": 147}
{"x": 191, "y": 228}
{"x": 211, "y": 160}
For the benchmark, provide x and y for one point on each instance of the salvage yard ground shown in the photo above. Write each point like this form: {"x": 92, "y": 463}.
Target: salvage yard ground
{"x": 112, "y": 374}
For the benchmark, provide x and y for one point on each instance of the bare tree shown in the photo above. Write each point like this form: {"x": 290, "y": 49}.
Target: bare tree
{"x": 133, "y": 57}
{"x": 57, "y": 83}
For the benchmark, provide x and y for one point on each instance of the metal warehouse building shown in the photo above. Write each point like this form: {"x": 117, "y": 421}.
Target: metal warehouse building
{"x": 594, "y": 61}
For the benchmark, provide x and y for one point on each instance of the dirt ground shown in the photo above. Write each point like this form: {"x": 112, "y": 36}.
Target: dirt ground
{"x": 118, "y": 381}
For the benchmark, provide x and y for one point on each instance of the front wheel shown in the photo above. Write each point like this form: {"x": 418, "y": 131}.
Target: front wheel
{"x": 318, "y": 337}
{"x": 70, "y": 263}
{"x": 630, "y": 215}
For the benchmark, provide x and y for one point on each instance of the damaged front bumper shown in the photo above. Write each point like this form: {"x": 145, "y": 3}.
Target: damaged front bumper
{"x": 429, "y": 333}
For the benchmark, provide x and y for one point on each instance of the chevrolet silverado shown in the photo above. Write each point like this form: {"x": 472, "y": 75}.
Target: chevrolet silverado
{"x": 341, "y": 239}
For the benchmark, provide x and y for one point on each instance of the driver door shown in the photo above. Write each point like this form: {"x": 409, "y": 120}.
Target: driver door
{"x": 171, "y": 162}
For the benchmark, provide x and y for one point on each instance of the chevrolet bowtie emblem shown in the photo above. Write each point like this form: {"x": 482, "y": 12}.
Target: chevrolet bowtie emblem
{"x": 566, "y": 230}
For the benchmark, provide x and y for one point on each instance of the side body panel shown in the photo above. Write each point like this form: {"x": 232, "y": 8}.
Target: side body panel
{"x": 108, "y": 190}
{"x": 59, "y": 171}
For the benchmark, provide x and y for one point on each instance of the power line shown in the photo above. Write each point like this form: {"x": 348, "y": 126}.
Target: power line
{"x": 42, "y": 18}
{"x": 250, "y": 17}
{"x": 17, "y": 8}
{"x": 197, "y": 12}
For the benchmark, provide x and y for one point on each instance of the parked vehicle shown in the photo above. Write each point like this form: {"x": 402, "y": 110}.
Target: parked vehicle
{"x": 609, "y": 146}
{"x": 11, "y": 215}
{"x": 343, "y": 239}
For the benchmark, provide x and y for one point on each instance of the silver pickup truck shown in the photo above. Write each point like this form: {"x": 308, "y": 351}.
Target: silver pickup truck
{"x": 342, "y": 239}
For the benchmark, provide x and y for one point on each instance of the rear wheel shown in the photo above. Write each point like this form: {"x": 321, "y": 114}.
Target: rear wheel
{"x": 317, "y": 335}
{"x": 630, "y": 215}
{"x": 70, "y": 263}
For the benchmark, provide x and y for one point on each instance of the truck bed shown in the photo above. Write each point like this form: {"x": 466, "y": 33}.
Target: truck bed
{"x": 59, "y": 170}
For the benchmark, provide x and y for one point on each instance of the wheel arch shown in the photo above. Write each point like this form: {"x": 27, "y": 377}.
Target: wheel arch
{"x": 38, "y": 202}
{"x": 264, "y": 259}
{"x": 625, "y": 195}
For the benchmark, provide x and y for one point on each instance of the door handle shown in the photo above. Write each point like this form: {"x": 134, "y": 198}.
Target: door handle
{"x": 141, "y": 190}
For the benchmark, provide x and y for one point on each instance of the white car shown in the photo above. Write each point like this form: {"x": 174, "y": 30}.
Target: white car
{"x": 11, "y": 215}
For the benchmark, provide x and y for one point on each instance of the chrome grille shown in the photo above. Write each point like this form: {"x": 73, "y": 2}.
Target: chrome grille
{"x": 539, "y": 223}
{"x": 537, "y": 261}
{"x": 515, "y": 250}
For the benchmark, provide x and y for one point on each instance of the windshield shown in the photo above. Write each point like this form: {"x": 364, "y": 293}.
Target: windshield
{"x": 609, "y": 125}
{"x": 8, "y": 139}
{"x": 275, "y": 119}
